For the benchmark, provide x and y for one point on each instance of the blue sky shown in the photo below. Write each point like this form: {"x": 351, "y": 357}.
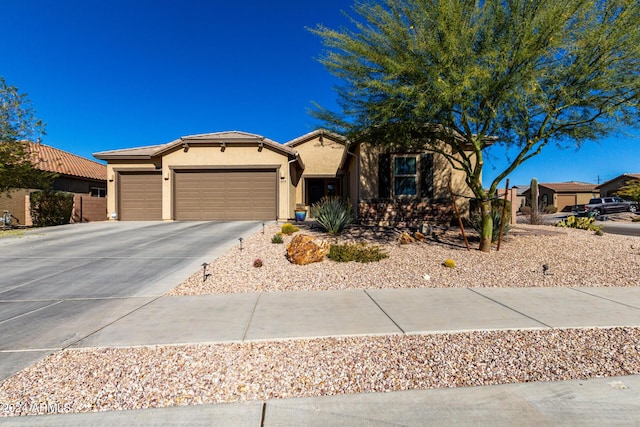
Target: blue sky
{"x": 115, "y": 74}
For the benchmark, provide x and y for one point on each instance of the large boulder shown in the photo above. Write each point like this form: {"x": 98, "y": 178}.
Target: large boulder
{"x": 305, "y": 249}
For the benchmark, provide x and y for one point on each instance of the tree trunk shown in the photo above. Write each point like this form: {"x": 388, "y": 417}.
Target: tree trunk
{"x": 487, "y": 226}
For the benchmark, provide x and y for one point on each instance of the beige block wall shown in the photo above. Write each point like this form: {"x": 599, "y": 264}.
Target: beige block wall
{"x": 14, "y": 202}
{"x": 321, "y": 159}
{"x": 212, "y": 156}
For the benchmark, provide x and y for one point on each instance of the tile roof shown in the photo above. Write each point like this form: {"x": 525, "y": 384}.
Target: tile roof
{"x": 311, "y": 135}
{"x": 624, "y": 176}
{"x": 569, "y": 187}
{"x": 143, "y": 152}
{"x": 51, "y": 159}
{"x": 227, "y": 137}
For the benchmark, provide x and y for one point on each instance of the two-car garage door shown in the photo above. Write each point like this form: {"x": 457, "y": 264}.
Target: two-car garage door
{"x": 225, "y": 194}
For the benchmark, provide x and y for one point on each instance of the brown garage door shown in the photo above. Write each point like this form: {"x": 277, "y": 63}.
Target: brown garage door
{"x": 565, "y": 200}
{"x": 140, "y": 196}
{"x": 223, "y": 195}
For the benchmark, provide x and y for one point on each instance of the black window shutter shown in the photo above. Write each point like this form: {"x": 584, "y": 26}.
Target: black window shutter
{"x": 426, "y": 176}
{"x": 384, "y": 176}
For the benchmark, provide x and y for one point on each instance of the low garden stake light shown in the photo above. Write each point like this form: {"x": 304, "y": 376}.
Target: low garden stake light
{"x": 240, "y": 243}
{"x": 204, "y": 271}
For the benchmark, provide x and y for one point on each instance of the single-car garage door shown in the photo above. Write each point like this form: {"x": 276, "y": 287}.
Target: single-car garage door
{"x": 564, "y": 200}
{"x": 140, "y": 196}
{"x": 222, "y": 195}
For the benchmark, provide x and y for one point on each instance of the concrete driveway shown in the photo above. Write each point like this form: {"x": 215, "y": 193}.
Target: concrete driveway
{"x": 61, "y": 284}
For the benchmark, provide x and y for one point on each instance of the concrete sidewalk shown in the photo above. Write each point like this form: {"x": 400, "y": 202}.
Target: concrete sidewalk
{"x": 290, "y": 315}
{"x": 294, "y": 315}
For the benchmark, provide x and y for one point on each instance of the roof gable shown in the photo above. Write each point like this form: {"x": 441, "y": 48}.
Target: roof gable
{"x": 51, "y": 159}
{"x": 320, "y": 133}
{"x": 623, "y": 177}
{"x": 227, "y": 138}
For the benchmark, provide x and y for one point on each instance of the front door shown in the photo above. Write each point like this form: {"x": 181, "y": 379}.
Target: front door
{"x": 317, "y": 188}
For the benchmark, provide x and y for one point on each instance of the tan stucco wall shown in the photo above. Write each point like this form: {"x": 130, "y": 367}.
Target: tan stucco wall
{"x": 112, "y": 177}
{"x": 211, "y": 156}
{"x": 321, "y": 159}
{"x": 443, "y": 174}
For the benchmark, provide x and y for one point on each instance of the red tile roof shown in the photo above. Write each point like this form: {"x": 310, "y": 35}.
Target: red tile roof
{"x": 51, "y": 159}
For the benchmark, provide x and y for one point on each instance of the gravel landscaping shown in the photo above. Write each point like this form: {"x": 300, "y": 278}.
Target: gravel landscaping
{"x": 157, "y": 376}
{"x": 148, "y": 377}
{"x": 573, "y": 258}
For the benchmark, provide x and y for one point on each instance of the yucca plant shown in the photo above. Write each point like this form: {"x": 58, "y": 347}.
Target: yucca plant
{"x": 332, "y": 214}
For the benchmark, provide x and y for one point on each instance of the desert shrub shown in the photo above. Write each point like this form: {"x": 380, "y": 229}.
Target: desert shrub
{"x": 636, "y": 219}
{"x": 257, "y": 263}
{"x": 475, "y": 219}
{"x": 449, "y": 263}
{"x": 332, "y": 214}
{"x": 525, "y": 210}
{"x": 277, "y": 238}
{"x": 51, "y": 208}
{"x": 358, "y": 252}
{"x": 288, "y": 228}
{"x": 581, "y": 223}
{"x": 550, "y": 209}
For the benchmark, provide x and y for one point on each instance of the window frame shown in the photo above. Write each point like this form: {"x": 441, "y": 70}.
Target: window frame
{"x": 101, "y": 192}
{"x": 415, "y": 176}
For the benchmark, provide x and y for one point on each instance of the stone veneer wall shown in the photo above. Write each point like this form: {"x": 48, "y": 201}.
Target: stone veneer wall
{"x": 404, "y": 213}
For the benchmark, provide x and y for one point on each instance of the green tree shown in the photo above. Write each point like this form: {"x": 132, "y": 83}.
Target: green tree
{"x": 18, "y": 124}
{"x": 630, "y": 191}
{"x": 455, "y": 76}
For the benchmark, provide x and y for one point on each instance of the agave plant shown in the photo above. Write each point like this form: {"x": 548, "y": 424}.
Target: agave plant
{"x": 332, "y": 214}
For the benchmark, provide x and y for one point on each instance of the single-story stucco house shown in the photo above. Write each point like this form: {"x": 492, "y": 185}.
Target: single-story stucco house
{"x": 85, "y": 178}
{"x": 611, "y": 187}
{"x": 243, "y": 176}
{"x": 563, "y": 195}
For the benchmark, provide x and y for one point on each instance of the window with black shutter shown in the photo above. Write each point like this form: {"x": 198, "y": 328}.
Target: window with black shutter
{"x": 405, "y": 175}
{"x": 426, "y": 176}
{"x": 384, "y": 176}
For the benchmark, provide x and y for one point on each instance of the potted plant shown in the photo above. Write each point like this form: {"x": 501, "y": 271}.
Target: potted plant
{"x": 300, "y": 213}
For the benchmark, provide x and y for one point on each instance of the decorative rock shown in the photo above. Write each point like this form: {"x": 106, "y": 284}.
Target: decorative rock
{"x": 305, "y": 249}
{"x": 405, "y": 238}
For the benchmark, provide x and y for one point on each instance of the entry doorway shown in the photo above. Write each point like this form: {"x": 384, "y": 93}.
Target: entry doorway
{"x": 317, "y": 188}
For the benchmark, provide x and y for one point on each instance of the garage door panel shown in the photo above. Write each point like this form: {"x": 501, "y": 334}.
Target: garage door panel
{"x": 225, "y": 195}
{"x": 140, "y": 196}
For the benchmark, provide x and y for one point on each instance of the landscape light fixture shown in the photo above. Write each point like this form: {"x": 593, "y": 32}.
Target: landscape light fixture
{"x": 240, "y": 243}
{"x": 204, "y": 271}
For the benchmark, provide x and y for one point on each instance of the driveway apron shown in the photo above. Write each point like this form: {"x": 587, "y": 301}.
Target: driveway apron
{"x": 60, "y": 284}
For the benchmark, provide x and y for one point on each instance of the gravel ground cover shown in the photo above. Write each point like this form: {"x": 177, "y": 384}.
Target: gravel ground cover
{"x": 157, "y": 376}
{"x": 129, "y": 378}
{"x": 573, "y": 257}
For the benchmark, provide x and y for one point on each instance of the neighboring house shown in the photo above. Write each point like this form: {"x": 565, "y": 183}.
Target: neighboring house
{"x": 85, "y": 178}
{"x": 611, "y": 187}
{"x": 563, "y": 195}
{"x": 243, "y": 176}
{"x": 516, "y": 195}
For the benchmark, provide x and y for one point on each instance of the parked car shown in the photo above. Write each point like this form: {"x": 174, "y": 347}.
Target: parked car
{"x": 605, "y": 205}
